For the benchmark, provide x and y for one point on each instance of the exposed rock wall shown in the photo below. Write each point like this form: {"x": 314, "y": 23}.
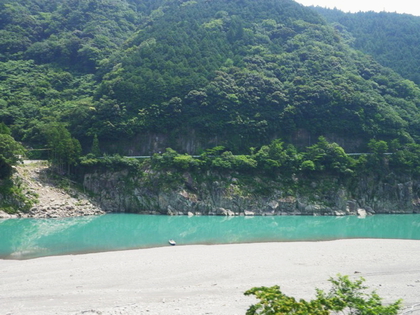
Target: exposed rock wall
{"x": 150, "y": 143}
{"x": 225, "y": 195}
{"x": 191, "y": 142}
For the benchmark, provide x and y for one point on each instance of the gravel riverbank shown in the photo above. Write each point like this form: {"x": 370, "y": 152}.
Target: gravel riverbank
{"x": 198, "y": 280}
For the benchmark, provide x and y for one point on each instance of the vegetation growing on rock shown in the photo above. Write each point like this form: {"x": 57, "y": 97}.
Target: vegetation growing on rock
{"x": 275, "y": 179}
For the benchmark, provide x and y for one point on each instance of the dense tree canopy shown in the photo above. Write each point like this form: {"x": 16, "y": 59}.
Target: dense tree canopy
{"x": 392, "y": 39}
{"x": 244, "y": 72}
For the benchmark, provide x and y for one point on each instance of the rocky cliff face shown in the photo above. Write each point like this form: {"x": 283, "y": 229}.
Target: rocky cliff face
{"x": 191, "y": 142}
{"x": 226, "y": 195}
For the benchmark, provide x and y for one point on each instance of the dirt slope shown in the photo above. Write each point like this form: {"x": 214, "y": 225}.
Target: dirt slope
{"x": 57, "y": 196}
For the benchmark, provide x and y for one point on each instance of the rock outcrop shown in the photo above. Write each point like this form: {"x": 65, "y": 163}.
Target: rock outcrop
{"x": 219, "y": 195}
{"x": 153, "y": 192}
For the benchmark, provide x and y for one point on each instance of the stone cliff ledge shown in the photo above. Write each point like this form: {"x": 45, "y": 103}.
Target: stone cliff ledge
{"x": 211, "y": 194}
{"x": 217, "y": 194}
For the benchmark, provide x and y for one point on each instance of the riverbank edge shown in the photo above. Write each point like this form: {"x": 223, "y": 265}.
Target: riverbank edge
{"x": 104, "y": 192}
{"x": 163, "y": 280}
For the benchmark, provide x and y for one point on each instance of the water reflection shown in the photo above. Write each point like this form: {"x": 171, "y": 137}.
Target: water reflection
{"x": 25, "y": 237}
{"x": 28, "y": 238}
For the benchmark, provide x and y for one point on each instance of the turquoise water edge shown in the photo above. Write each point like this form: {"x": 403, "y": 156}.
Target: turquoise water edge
{"x": 31, "y": 238}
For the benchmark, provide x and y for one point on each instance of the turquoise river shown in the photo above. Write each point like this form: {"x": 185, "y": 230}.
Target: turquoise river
{"x": 31, "y": 238}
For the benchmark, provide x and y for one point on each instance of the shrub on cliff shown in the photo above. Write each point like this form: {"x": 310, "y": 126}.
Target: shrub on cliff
{"x": 172, "y": 159}
{"x": 345, "y": 296}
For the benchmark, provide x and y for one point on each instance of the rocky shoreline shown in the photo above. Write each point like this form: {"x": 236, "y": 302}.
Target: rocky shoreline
{"x": 224, "y": 195}
{"x": 120, "y": 191}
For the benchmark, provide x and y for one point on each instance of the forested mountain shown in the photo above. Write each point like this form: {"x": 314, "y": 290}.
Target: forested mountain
{"x": 392, "y": 39}
{"x": 240, "y": 71}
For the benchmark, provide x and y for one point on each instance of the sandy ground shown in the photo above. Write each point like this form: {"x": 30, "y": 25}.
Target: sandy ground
{"x": 203, "y": 279}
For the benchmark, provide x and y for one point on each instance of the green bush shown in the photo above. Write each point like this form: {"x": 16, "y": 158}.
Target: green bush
{"x": 345, "y": 296}
{"x": 308, "y": 166}
{"x": 10, "y": 154}
{"x": 185, "y": 161}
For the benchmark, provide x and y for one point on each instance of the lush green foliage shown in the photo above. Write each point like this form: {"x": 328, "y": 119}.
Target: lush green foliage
{"x": 65, "y": 150}
{"x": 345, "y": 296}
{"x": 32, "y": 96}
{"x": 96, "y": 76}
{"x": 15, "y": 196}
{"x": 391, "y": 38}
{"x": 12, "y": 195}
{"x": 244, "y": 72}
{"x": 69, "y": 33}
{"x": 273, "y": 169}
{"x": 328, "y": 156}
{"x": 110, "y": 162}
{"x": 249, "y": 78}
{"x": 276, "y": 159}
{"x": 96, "y": 150}
{"x": 10, "y": 153}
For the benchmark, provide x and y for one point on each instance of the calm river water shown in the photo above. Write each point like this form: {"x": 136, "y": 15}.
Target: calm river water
{"x": 30, "y": 238}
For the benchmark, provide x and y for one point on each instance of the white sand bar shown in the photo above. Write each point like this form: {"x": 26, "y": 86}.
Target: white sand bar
{"x": 203, "y": 279}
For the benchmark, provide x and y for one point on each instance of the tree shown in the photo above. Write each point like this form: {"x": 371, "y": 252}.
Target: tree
{"x": 377, "y": 147}
{"x": 65, "y": 150}
{"x": 278, "y": 156}
{"x": 328, "y": 156}
{"x": 10, "y": 154}
{"x": 345, "y": 296}
{"x": 96, "y": 151}
{"x": 4, "y": 130}
{"x": 376, "y": 160}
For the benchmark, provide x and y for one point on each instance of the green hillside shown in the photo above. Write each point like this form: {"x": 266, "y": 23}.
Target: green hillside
{"x": 392, "y": 39}
{"x": 243, "y": 72}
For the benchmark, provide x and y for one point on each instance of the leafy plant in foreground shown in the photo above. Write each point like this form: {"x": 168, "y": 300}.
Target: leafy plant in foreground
{"x": 345, "y": 295}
